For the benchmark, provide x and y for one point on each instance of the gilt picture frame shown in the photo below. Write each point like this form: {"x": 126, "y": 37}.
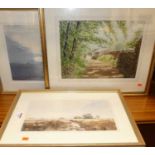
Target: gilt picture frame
{"x": 100, "y": 49}
{"x": 21, "y": 50}
{"x": 99, "y": 118}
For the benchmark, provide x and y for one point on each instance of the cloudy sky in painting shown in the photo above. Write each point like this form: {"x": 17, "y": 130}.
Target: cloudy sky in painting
{"x": 27, "y": 36}
{"x": 68, "y": 109}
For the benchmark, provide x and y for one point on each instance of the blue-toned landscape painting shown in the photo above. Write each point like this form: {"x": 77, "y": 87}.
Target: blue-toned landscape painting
{"x": 24, "y": 52}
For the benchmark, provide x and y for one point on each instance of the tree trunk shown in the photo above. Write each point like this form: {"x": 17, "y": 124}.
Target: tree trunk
{"x": 66, "y": 39}
{"x": 74, "y": 42}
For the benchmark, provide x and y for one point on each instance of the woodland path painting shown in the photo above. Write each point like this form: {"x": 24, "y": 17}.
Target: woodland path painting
{"x": 100, "y": 49}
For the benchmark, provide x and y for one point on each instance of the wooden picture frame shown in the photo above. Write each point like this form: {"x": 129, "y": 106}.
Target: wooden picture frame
{"x": 22, "y": 50}
{"x": 66, "y": 73}
{"x": 77, "y": 111}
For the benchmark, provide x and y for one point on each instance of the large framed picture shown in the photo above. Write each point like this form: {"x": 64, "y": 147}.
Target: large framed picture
{"x": 68, "y": 118}
{"x": 100, "y": 48}
{"x": 21, "y": 65}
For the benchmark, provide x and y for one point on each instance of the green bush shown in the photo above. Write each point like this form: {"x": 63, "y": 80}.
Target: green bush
{"x": 108, "y": 60}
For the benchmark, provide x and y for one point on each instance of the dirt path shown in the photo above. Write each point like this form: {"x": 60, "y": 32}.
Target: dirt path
{"x": 96, "y": 69}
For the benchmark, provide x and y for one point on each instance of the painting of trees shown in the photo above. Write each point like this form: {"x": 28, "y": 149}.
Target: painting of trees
{"x": 100, "y": 49}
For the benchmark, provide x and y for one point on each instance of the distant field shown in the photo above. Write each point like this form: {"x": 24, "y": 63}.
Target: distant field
{"x": 69, "y": 125}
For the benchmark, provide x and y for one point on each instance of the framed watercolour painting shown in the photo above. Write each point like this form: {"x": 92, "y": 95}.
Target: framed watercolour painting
{"x": 21, "y": 64}
{"x": 100, "y": 48}
{"x": 59, "y": 118}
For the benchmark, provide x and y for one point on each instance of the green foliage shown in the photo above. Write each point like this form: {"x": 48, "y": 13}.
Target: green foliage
{"x": 79, "y": 67}
{"x": 88, "y": 116}
{"x": 74, "y": 45}
{"x": 77, "y": 38}
{"x": 134, "y": 41}
{"x": 123, "y": 27}
{"x": 108, "y": 60}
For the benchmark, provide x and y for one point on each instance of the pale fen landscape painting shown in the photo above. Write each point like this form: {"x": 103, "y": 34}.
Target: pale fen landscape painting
{"x": 100, "y": 49}
{"x": 69, "y": 116}
{"x": 24, "y": 51}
